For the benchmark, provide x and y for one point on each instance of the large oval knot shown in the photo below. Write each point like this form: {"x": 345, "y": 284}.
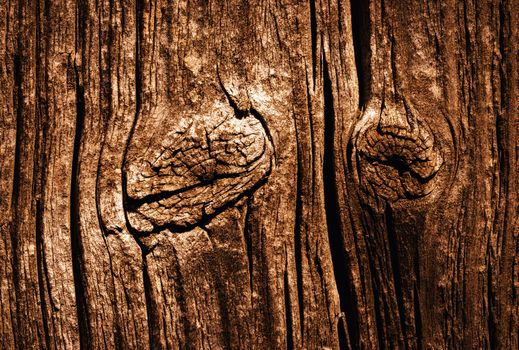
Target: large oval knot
{"x": 193, "y": 172}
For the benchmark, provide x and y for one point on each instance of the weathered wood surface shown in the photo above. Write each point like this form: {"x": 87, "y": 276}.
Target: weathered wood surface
{"x": 259, "y": 175}
{"x": 429, "y": 222}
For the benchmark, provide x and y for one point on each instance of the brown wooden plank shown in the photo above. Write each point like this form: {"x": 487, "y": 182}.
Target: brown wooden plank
{"x": 109, "y": 281}
{"x": 266, "y": 174}
{"x": 426, "y": 239}
{"x": 253, "y": 57}
{"x": 56, "y": 98}
{"x": 7, "y": 165}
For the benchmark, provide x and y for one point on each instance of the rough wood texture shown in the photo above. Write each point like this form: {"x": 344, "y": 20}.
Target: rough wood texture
{"x": 259, "y": 174}
{"x": 436, "y": 271}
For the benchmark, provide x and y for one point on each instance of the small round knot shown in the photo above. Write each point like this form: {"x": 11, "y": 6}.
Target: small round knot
{"x": 397, "y": 157}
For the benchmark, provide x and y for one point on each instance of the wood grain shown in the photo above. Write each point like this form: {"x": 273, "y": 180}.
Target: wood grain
{"x": 259, "y": 174}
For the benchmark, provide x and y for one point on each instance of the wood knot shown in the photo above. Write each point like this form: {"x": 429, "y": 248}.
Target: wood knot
{"x": 396, "y": 156}
{"x": 195, "y": 171}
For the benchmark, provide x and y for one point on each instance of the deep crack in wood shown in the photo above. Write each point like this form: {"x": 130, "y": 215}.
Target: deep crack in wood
{"x": 193, "y": 172}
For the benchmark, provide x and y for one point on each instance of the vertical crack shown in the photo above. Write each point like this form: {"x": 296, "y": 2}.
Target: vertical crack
{"x": 313, "y": 32}
{"x": 416, "y": 296}
{"x": 298, "y": 254}
{"x": 395, "y": 265}
{"x": 152, "y": 317}
{"x": 75, "y": 230}
{"x": 42, "y": 276}
{"x": 39, "y": 175}
{"x": 248, "y": 244}
{"x": 151, "y": 312}
{"x": 418, "y": 318}
{"x": 333, "y": 217}
{"x": 18, "y": 102}
{"x": 361, "y": 31}
{"x": 16, "y": 197}
{"x": 376, "y": 285}
{"x": 491, "y": 319}
{"x": 343, "y": 336}
{"x": 180, "y": 296}
{"x": 288, "y": 314}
